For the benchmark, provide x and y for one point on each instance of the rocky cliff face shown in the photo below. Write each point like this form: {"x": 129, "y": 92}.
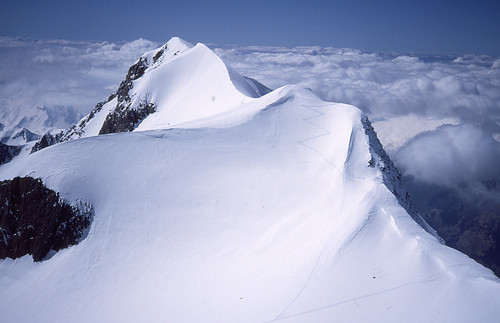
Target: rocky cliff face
{"x": 125, "y": 117}
{"x": 34, "y": 220}
{"x": 8, "y": 152}
{"x": 392, "y": 177}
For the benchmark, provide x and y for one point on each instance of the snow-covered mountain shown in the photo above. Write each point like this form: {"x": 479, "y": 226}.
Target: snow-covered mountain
{"x": 174, "y": 84}
{"x": 228, "y": 203}
{"x": 26, "y": 125}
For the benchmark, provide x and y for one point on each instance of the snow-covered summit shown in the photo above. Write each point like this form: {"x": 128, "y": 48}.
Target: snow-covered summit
{"x": 167, "y": 52}
{"x": 171, "y": 85}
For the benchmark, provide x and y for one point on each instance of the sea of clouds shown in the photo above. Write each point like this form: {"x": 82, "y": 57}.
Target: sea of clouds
{"x": 437, "y": 115}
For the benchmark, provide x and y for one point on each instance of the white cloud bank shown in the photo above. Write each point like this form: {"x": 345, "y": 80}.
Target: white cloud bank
{"x": 451, "y": 155}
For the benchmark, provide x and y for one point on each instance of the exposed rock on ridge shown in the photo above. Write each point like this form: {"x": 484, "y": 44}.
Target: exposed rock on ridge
{"x": 392, "y": 177}
{"x": 47, "y": 140}
{"x": 124, "y": 117}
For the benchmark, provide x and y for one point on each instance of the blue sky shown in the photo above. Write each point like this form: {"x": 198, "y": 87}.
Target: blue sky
{"x": 423, "y": 26}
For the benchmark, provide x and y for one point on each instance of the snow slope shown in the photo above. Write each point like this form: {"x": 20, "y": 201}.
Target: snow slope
{"x": 198, "y": 69}
{"x": 277, "y": 208}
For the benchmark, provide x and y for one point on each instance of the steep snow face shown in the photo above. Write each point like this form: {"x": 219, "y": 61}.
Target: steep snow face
{"x": 195, "y": 85}
{"x": 276, "y": 211}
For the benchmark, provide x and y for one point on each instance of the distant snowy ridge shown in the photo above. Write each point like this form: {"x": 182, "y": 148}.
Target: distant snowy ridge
{"x": 17, "y": 137}
{"x": 28, "y": 128}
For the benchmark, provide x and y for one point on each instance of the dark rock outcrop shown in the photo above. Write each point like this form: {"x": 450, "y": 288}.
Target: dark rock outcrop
{"x": 134, "y": 72}
{"x": 125, "y": 117}
{"x": 47, "y": 140}
{"x": 34, "y": 220}
{"x": 8, "y": 152}
{"x": 160, "y": 54}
